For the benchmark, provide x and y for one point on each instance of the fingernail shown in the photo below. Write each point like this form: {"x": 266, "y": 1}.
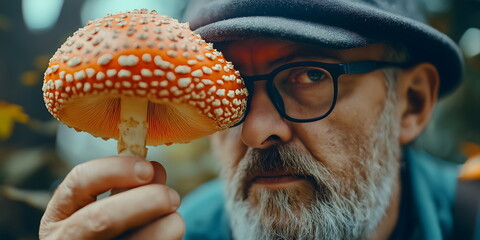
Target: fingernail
{"x": 174, "y": 198}
{"x": 143, "y": 170}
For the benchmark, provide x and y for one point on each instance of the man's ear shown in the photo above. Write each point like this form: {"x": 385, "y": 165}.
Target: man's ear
{"x": 417, "y": 94}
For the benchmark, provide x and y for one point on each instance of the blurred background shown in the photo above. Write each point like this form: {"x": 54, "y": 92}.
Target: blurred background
{"x": 36, "y": 151}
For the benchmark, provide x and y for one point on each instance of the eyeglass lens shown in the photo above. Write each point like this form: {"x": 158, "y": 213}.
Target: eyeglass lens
{"x": 306, "y": 92}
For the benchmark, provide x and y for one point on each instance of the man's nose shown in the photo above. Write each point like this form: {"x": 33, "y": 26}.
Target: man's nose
{"x": 264, "y": 126}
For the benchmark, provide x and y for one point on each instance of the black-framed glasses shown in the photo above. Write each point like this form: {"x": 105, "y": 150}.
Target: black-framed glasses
{"x": 307, "y": 91}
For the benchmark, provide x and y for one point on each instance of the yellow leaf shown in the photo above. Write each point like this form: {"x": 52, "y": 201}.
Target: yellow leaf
{"x": 470, "y": 149}
{"x": 41, "y": 62}
{"x": 6, "y": 127}
{"x": 471, "y": 169}
{"x": 30, "y": 78}
{"x": 9, "y": 114}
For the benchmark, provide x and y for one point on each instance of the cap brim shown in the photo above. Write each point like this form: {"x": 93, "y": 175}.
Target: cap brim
{"x": 282, "y": 28}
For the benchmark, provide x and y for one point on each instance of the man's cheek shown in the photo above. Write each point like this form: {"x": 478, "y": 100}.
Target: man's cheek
{"x": 233, "y": 150}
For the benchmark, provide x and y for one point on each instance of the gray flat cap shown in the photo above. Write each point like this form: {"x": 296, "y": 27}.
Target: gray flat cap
{"x": 337, "y": 24}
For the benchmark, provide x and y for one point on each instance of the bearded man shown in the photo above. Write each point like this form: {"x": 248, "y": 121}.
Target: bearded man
{"x": 338, "y": 90}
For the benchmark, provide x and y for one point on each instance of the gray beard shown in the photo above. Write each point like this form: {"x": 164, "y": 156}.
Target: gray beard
{"x": 336, "y": 209}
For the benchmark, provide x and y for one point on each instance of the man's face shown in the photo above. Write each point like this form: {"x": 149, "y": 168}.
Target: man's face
{"x": 328, "y": 179}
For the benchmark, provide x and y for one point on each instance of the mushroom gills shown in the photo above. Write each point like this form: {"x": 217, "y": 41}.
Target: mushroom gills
{"x": 168, "y": 122}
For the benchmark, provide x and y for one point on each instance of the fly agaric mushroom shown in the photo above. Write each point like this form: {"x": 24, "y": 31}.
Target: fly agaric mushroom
{"x": 142, "y": 78}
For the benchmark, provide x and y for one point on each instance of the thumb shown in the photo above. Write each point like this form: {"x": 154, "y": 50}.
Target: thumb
{"x": 160, "y": 175}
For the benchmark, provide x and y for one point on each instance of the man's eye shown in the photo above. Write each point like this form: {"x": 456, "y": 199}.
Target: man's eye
{"x": 310, "y": 76}
{"x": 315, "y": 75}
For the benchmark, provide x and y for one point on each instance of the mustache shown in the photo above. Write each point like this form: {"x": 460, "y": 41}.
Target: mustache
{"x": 281, "y": 159}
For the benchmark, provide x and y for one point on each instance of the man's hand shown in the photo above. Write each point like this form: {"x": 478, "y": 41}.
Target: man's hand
{"x": 146, "y": 211}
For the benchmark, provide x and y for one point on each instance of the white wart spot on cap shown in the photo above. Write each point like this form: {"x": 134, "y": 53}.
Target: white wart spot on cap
{"x": 184, "y": 82}
{"x": 87, "y": 87}
{"x": 124, "y": 73}
{"x": 164, "y": 93}
{"x": 54, "y": 68}
{"x": 218, "y": 112}
{"x": 90, "y": 72}
{"x": 216, "y": 103}
{"x": 111, "y": 72}
{"x": 209, "y": 47}
{"x": 236, "y": 102}
{"x": 146, "y": 72}
{"x": 171, "y": 76}
{"x": 200, "y": 57}
{"x": 197, "y": 73}
{"x": 97, "y": 41}
{"x": 212, "y": 90}
{"x": 137, "y": 77}
{"x": 183, "y": 69}
{"x": 192, "y": 62}
{"x": 146, "y": 57}
{"x": 130, "y": 60}
{"x": 207, "y": 70}
{"x": 126, "y": 84}
{"x": 69, "y": 77}
{"x": 200, "y": 86}
{"x": 217, "y": 67}
{"x": 80, "y": 75}
{"x": 158, "y": 72}
{"x": 74, "y": 61}
{"x": 58, "y": 84}
{"x": 161, "y": 63}
{"x": 220, "y": 92}
{"x": 207, "y": 81}
{"x": 171, "y": 53}
{"x": 143, "y": 84}
{"x": 104, "y": 59}
{"x": 163, "y": 83}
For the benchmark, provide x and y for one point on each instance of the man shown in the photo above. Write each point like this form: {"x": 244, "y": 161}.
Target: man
{"x": 338, "y": 89}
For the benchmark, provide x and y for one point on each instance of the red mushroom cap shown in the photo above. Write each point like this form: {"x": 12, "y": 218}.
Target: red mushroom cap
{"x": 192, "y": 90}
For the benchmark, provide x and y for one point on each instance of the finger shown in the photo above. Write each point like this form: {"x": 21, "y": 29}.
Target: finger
{"x": 160, "y": 175}
{"x": 170, "y": 227}
{"x": 112, "y": 216}
{"x": 89, "y": 179}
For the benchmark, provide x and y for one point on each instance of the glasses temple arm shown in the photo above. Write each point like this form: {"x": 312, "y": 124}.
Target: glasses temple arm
{"x": 369, "y": 66}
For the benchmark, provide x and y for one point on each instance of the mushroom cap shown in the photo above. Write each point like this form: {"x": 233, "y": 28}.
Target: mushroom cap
{"x": 192, "y": 90}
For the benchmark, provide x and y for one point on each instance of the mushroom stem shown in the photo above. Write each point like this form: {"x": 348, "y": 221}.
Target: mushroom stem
{"x": 133, "y": 127}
